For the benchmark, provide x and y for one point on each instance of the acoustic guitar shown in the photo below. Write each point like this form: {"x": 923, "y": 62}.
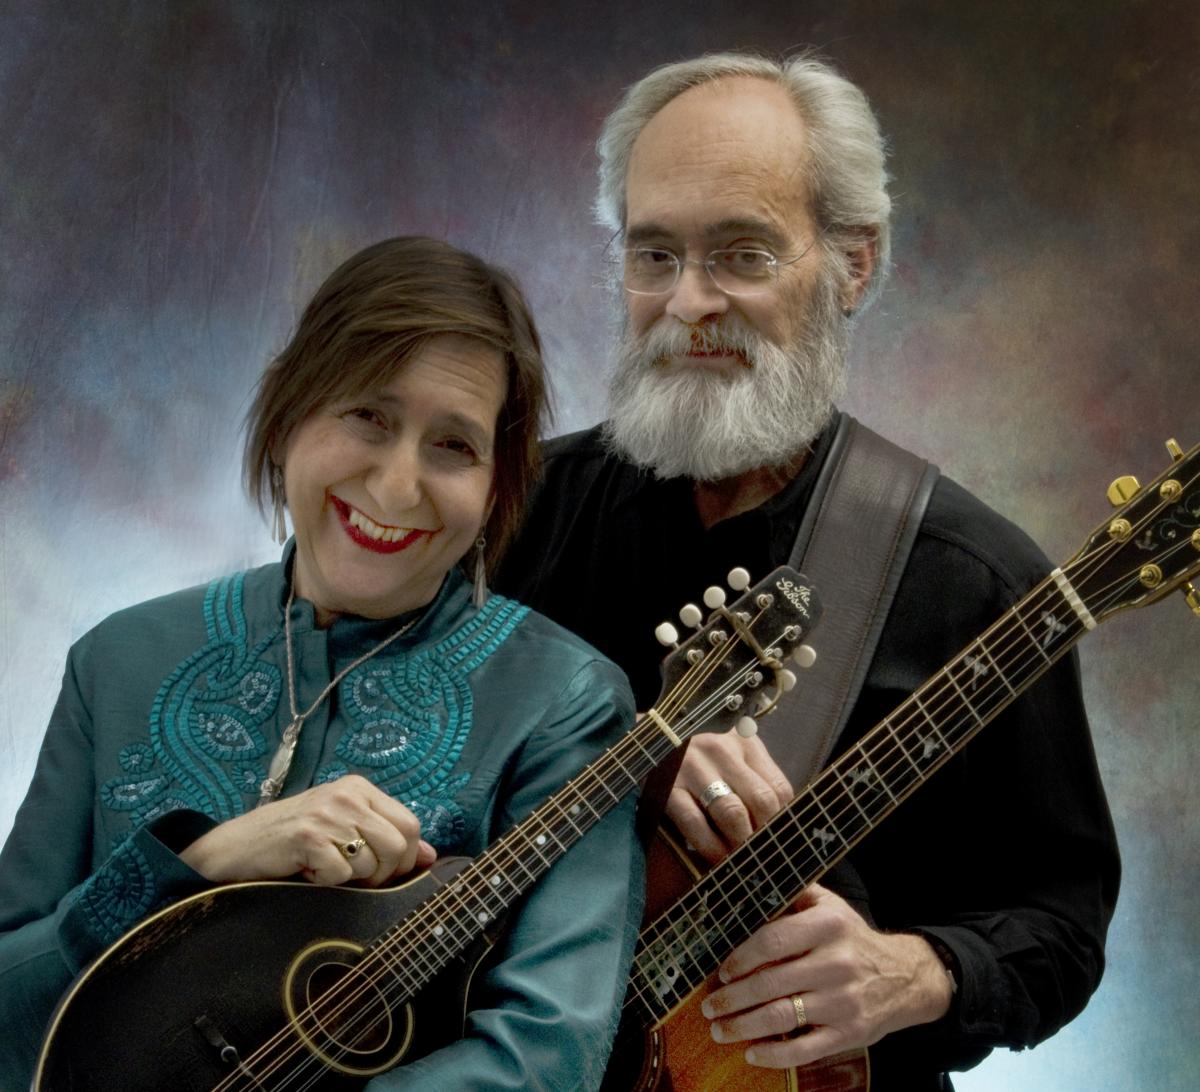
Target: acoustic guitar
{"x": 273, "y": 985}
{"x": 1149, "y": 549}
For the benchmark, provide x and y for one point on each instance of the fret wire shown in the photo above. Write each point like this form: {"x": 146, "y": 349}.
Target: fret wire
{"x": 1029, "y": 632}
{"x": 679, "y": 948}
{"x": 962, "y": 694}
{"x": 995, "y": 666}
{"x": 848, "y": 793}
{"x": 999, "y": 688}
{"x": 875, "y": 772}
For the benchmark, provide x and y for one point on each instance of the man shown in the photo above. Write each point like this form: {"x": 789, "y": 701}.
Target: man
{"x": 751, "y": 209}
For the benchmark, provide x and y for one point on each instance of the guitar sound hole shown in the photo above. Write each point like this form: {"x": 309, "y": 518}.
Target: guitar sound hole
{"x": 348, "y": 1010}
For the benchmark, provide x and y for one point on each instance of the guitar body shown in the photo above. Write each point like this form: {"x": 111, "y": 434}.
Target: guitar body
{"x": 226, "y": 971}
{"x": 679, "y": 1055}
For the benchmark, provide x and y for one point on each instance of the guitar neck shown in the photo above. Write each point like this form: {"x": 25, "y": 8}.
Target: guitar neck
{"x": 683, "y": 947}
{"x": 416, "y": 949}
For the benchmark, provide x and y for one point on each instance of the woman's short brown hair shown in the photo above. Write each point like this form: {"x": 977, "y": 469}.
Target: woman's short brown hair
{"x": 376, "y": 311}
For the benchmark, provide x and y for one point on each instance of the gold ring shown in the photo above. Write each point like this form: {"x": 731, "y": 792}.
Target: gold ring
{"x": 798, "y": 1007}
{"x": 351, "y": 849}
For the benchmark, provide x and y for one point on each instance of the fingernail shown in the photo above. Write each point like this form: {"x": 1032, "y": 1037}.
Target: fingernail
{"x": 715, "y": 1031}
{"x": 707, "y": 1009}
{"x": 724, "y": 975}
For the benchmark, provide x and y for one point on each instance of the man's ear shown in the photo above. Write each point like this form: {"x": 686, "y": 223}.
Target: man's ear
{"x": 861, "y": 256}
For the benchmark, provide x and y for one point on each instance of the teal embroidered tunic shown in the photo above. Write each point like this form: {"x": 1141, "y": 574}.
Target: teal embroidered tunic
{"x": 168, "y": 716}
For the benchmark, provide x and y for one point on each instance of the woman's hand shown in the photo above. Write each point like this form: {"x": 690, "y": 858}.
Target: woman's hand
{"x": 306, "y": 834}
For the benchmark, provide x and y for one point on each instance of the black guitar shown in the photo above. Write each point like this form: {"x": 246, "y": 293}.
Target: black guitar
{"x": 274, "y": 985}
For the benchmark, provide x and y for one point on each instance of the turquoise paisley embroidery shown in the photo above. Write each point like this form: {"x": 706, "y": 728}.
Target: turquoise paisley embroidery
{"x": 411, "y": 715}
{"x": 206, "y": 750}
{"x": 120, "y": 893}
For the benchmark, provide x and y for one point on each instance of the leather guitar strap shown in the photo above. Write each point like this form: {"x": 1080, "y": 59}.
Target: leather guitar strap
{"x": 853, "y": 543}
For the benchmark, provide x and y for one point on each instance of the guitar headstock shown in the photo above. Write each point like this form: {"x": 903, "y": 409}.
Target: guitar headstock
{"x": 1150, "y": 547}
{"x": 733, "y": 667}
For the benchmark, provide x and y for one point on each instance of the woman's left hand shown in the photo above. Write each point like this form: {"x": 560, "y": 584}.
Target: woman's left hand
{"x": 344, "y": 831}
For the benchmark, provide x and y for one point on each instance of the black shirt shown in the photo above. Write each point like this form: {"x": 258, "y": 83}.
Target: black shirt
{"x": 1008, "y": 856}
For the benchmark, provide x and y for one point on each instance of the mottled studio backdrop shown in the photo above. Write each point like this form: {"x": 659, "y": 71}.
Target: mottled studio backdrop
{"x": 175, "y": 178}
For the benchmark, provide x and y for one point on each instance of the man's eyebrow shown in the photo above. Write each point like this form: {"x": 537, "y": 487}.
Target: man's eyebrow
{"x": 641, "y": 233}
{"x": 768, "y": 232}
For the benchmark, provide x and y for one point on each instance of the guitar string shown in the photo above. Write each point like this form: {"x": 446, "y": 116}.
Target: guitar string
{"x": 719, "y": 697}
{"x": 979, "y": 642}
{"x": 690, "y": 682}
{"x": 625, "y": 771}
{"x": 845, "y": 794}
{"x": 823, "y": 805}
{"x": 837, "y": 779}
{"x": 840, "y": 783}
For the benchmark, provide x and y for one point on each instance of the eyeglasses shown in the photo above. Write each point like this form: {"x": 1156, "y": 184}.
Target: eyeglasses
{"x": 741, "y": 271}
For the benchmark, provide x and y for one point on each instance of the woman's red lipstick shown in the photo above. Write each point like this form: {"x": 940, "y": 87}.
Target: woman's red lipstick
{"x": 375, "y": 545}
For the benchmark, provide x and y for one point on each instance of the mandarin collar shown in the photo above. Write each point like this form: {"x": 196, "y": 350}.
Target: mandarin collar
{"x": 351, "y": 635}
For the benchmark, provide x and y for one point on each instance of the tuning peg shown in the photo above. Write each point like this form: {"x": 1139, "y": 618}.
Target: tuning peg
{"x": 747, "y": 727}
{"x": 666, "y": 634}
{"x": 738, "y": 579}
{"x": 785, "y": 680}
{"x": 1174, "y": 450}
{"x": 1122, "y": 490}
{"x": 805, "y": 656}
{"x": 690, "y": 615}
{"x": 714, "y": 597}
{"x": 1193, "y": 597}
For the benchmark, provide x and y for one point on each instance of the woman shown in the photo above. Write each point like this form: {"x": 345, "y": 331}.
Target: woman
{"x": 359, "y": 707}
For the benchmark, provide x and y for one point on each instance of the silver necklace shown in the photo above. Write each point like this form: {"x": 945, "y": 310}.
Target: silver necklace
{"x": 281, "y": 760}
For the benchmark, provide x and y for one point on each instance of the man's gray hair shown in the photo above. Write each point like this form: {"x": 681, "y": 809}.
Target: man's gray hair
{"x": 847, "y": 180}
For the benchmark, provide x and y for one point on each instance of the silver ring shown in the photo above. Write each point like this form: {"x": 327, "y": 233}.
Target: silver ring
{"x": 351, "y": 849}
{"x": 714, "y": 791}
{"x": 798, "y": 1008}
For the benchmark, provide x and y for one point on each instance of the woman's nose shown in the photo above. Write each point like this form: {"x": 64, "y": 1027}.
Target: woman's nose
{"x": 396, "y": 483}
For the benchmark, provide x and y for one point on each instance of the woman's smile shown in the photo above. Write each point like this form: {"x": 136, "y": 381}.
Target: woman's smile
{"x": 379, "y": 537}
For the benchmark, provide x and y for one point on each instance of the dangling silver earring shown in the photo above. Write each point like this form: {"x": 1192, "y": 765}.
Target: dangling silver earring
{"x": 279, "y": 525}
{"x": 480, "y": 594}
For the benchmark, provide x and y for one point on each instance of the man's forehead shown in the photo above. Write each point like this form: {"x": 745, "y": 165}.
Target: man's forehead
{"x": 726, "y": 151}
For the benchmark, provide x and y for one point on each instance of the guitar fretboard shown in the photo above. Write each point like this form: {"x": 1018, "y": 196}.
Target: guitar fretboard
{"x": 684, "y": 946}
{"x": 409, "y": 955}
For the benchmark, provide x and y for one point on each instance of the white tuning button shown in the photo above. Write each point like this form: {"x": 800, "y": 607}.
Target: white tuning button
{"x": 690, "y": 615}
{"x": 714, "y": 597}
{"x": 666, "y": 634}
{"x": 805, "y": 656}
{"x": 785, "y": 680}
{"x": 747, "y": 727}
{"x": 738, "y": 579}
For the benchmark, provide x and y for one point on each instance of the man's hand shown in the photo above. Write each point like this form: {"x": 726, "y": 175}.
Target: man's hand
{"x": 759, "y": 787}
{"x": 857, "y": 984}
{"x": 303, "y": 833}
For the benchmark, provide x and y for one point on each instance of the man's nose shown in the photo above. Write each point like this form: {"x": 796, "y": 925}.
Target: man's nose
{"x": 695, "y": 297}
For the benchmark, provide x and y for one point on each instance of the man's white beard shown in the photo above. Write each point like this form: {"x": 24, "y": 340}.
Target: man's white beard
{"x": 687, "y": 421}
